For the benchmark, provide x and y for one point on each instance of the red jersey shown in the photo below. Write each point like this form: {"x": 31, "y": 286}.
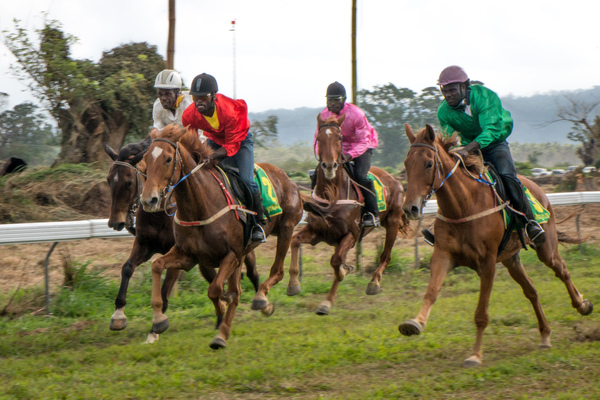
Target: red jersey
{"x": 233, "y": 122}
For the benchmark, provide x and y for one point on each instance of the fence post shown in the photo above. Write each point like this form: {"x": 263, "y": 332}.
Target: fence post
{"x": 47, "y": 277}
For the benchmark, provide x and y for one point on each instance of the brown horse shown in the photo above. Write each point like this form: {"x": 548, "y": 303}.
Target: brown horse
{"x": 468, "y": 232}
{"x": 208, "y": 230}
{"x": 335, "y": 213}
{"x": 153, "y": 231}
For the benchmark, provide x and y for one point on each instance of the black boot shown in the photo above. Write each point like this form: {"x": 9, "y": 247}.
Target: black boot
{"x": 258, "y": 233}
{"x": 533, "y": 230}
{"x": 370, "y": 217}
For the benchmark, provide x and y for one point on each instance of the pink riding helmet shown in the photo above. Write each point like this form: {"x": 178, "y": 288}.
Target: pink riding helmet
{"x": 452, "y": 74}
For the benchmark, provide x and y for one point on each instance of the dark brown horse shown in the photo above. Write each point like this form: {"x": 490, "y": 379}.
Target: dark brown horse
{"x": 208, "y": 230}
{"x": 335, "y": 214}
{"x": 468, "y": 232}
{"x": 153, "y": 231}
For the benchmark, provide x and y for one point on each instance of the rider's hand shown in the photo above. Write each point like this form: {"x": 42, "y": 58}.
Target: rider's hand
{"x": 346, "y": 158}
{"x": 217, "y": 156}
{"x": 468, "y": 149}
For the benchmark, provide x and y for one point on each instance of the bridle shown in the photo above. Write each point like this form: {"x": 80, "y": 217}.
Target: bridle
{"x": 437, "y": 169}
{"x": 136, "y": 203}
{"x": 340, "y": 139}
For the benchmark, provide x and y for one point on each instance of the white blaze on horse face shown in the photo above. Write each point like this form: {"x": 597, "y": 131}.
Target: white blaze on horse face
{"x": 157, "y": 151}
{"x": 328, "y": 131}
{"x": 116, "y": 179}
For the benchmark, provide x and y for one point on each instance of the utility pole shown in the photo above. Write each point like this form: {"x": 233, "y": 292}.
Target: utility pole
{"x": 354, "y": 85}
{"x": 233, "y": 30}
{"x": 171, "y": 40}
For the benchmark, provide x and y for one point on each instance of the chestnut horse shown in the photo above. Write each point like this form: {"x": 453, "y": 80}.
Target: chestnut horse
{"x": 468, "y": 231}
{"x": 153, "y": 231}
{"x": 335, "y": 213}
{"x": 208, "y": 229}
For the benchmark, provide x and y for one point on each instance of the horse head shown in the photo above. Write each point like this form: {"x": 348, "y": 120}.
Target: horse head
{"x": 124, "y": 182}
{"x": 329, "y": 144}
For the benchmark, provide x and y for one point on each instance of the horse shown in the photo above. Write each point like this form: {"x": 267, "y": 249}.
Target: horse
{"x": 334, "y": 214}
{"x": 153, "y": 231}
{"x": 469, "y": 228}
{"x": 208, "y": 229}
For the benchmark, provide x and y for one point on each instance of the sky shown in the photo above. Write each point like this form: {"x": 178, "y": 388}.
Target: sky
{"x": 284, "y": 54}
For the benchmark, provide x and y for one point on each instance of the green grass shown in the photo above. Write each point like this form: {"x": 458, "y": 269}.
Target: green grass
{"x": 354, "y": 353}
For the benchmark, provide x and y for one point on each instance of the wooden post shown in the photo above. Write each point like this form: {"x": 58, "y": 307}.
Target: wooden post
{"x": 47, "y": 276}
{"x": 171, "y": 40}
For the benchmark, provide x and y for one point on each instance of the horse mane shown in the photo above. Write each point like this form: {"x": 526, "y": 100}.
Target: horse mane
{"x": 473, "y": 162}
{"x": 131, "y": 151}
{"x": 188, "y": 138}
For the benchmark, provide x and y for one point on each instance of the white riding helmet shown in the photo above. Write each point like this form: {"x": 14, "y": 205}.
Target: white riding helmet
{"x": 168, "y": 79}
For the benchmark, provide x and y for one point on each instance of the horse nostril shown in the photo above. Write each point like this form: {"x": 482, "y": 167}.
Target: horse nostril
{"x": 414, "y": 210}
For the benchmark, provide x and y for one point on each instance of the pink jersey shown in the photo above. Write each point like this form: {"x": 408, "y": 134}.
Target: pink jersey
{"x": 358, "y": 133}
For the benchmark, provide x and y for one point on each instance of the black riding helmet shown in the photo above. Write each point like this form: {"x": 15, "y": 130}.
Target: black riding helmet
{"x": 336, "y": 89}
{"x": 203, "y": 84}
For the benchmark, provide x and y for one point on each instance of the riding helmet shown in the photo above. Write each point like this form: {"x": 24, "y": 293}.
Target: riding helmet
{"x": 168, "y": 79}
{"x": 203, "y": 84}
{"x": 336, "y": 89}
{"x": 452, "y": 74}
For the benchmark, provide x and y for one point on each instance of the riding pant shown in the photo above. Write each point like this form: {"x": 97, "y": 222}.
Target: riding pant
{"x": 243, "y": 160}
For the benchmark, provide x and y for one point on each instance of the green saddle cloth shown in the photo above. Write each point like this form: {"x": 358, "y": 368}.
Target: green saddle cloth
{"x": 379, "y": 192}
{"x": 269, "y": 197}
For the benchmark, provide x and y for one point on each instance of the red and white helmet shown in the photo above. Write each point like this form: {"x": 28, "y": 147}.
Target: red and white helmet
{"x": 452, "y": 74}
{"x": 168, "y": 79}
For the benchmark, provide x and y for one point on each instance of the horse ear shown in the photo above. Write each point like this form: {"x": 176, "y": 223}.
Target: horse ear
{"x": 319, "y": 119}
{"x": 409, "y": 133}
{"x": 154, "y": 133}
{"x": 341, "y": 119}
{"x": 111, "y": 153}
{"x": 178, "y": 132}
{"x": 430, "y": 132}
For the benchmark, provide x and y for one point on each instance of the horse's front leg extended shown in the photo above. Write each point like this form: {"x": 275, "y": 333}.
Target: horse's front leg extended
{"x": 174, "y": 259}
{"x": 304, "y": 236}
{"x": 229, "y": 269}
{"x": 340, "y": 270}
{"x": 139, "y": 253}
{"x": 439, "y": 267}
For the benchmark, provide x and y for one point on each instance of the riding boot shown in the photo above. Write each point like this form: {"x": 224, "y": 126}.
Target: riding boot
{"x": 313, "y": 178}
{"x": 533, "y": 230}
{"x": 258, "y": 233}
{"x": 370, "y": 216}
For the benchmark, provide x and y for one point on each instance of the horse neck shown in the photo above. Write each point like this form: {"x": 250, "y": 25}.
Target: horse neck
{"x": 460, "y": 193}
{"x": 199, "y": 195}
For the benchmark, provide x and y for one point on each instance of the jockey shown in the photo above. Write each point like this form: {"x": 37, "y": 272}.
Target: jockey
{"x": 359, "y": 140}
{"x": 171, "y": 102}
{"x": 476, "y": 113}
{"x": 226, "y": 126}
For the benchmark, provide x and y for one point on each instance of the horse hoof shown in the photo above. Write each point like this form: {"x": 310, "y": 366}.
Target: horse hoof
{"x": 293, "y": 290}
{"x": 160, "y": 327}
{"x": 152, "y": 337}
{"x": 259, "y": 304}
{"x": 268, "y": 310}
{"x": 586, "y": 308}
{"x": 410, "y": 327}
{"x": 218, "y": 343}
{"x": 373, "y": 288}
{"x": 472, "y": 361}
{"x": 118, "y": 324}
{"x": 324, "y": 308}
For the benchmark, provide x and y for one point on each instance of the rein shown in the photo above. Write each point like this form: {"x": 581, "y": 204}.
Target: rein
{"x": 438, "y": 166}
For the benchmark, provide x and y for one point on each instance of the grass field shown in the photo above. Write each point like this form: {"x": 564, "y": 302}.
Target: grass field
{"x": 354, "y": 353}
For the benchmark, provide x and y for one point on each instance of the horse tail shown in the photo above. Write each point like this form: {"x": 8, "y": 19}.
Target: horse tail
{"x": 565, "y": 238}
{"x": 311, "y": 206}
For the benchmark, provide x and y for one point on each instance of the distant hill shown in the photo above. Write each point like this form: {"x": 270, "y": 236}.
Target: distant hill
{"x": 532, "y": 117}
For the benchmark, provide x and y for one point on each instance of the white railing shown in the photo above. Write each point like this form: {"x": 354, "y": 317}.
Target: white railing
{"x": 46, "y": 232}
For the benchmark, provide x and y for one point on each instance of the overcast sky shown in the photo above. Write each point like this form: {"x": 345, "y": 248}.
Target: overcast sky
{"x": 287, "y": 52}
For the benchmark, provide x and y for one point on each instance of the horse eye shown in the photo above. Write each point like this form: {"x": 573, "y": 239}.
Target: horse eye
{"x": 429, "y": 164}
{"x": 128, "y": 184}
{"x": 169, "y": 159}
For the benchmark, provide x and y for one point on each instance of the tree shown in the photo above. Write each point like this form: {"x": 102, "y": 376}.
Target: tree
{"x": 91, "y": 103}
{"x": 265, "y": 132}
{"x": 388, "y": 108}
{"x": 26, "y": 133}
{"x": 586, "y": 127}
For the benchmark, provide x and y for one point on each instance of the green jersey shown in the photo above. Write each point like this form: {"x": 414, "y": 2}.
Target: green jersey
{"x": 483, "y": 121}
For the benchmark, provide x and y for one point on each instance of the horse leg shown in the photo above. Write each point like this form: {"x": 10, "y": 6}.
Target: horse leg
{"x": 229, "y": 270}
{"x": 174, "y": 259}
{"x": 305, "y": 235}
{"x": 260, "y": 301}
{"x": 549, "y": 255}
{"x": 340, "y": 271}
{"x": 517, "y": 272}
{"x": 251, "y": 270}
{"x": 139, "y": 254}
{"x": 439, "y": 267}
{"x": 391, "y": 232}
{"x": 486, "y": 272}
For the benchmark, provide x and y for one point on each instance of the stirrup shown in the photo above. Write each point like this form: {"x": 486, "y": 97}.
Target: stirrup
{"x": 369, "y": 220}
{"x": 428, "y": 237}
{"x": 539, "y": 237}
{"x": 258, "y": 234}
